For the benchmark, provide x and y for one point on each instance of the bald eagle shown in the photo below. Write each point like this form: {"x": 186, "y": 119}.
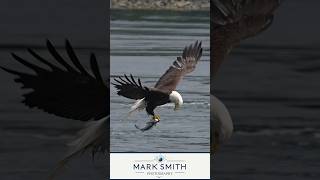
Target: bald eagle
{"x": 231, "y": 22}
{"x": 164, "y": 91}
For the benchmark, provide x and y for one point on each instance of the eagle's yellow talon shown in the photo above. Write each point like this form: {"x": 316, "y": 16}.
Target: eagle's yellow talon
{"x": 156, "y": 118}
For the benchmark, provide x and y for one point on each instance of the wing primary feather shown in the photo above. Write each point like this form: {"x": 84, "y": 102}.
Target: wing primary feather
{"x": 184, "y": 52}
{"x": 139, "y": 82}
{"x": 194, "y": 48}
{"x": 74, "y": 58}
{"x": 190, "y": 50}
{"x": 221, "y": 7}
{"x": 199, "y": 47}
{"x": 199, "y": 55}
{"x": 57, "y": 56}
{"x": 114, "y": 83}
{"x": 199, "y": 50}
{"x": 27, "y": 64}
{"x": 119, "y": 82}
{"x": 133, "y": 80}
{"x": 128, "y": 79}
{"x": 13, "y": 72}
{"x": 122, "y": 80}
{"x": 95, "y": 68}
{"x": 38, "y": 57}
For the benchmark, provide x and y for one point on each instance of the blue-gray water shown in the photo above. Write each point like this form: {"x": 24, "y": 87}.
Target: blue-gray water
{"x": 271, "y": 86}
{"x": 145, "y": 43}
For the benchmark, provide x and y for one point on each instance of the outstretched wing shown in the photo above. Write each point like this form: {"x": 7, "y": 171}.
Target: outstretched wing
{"x": 67, "y": 92}
{"x": 232, "y": 11}
{"x": 129, "y": 88}
{"x": 235, "y": 20}
{"x": 180, "y": 67}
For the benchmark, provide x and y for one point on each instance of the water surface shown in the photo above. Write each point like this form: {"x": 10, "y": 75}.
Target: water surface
{"x": 145, "y": 43}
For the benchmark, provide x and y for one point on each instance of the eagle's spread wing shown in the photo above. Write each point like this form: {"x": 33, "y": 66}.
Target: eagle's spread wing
{"x": 129, "y": 88}
{"x": 232, "y": 11}
{"x": 235, "y": 20}
{"x": 180, "y": 67}
{"x": 69, "y": 92}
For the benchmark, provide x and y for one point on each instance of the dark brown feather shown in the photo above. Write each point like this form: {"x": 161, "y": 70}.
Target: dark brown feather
{"x": 129, "y": 88}
{"x": 180, "y": 67}
{"x": 236, "y": 20}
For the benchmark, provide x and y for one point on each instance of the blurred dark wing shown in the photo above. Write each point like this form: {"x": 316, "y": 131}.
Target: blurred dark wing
{"x": 70, "y": 92}
{"x": 232, "y": 11}
{"x": 129, "y": 88}
{"x": 95, "y": 137}
{"x": 180, "y": 67}
{"x": 235, "y": 20}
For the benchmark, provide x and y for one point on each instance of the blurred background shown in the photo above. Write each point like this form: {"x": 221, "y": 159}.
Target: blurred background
{"x": 32, "y": 142}
{"x": 175, "y": 5}
{"x": 270, "y": 83}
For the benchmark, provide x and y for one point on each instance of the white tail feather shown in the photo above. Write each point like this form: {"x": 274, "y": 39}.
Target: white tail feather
{"x": 137, "y": 106}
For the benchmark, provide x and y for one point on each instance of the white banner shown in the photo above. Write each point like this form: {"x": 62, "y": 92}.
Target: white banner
{"x": 159, "y": 165}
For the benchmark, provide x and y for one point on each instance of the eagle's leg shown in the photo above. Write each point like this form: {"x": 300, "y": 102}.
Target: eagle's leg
{"x": 156, "y": 117}
{"x": 150, "y": 111}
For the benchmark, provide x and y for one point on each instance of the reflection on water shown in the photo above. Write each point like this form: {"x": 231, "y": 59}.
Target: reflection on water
{"x": 145, "y": 43}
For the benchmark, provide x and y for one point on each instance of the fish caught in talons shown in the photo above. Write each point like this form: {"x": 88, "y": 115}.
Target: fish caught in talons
{"x": 155, "y": 119}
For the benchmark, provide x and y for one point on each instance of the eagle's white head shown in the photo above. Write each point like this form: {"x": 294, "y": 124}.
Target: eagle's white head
{"x": 176, "y": 98}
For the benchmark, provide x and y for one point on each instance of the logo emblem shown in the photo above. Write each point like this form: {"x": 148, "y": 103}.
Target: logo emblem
{"x": 160, "y": 158}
